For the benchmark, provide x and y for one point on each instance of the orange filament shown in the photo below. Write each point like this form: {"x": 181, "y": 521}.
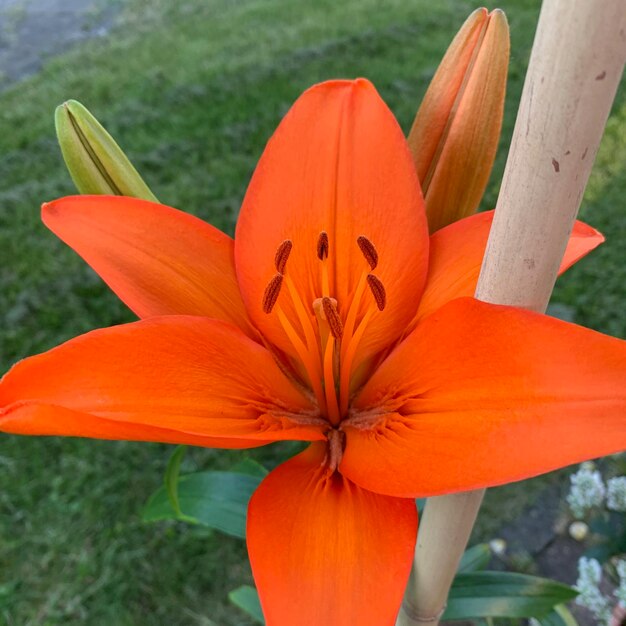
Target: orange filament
{"x": 368, "y": 250}
{"x": 311, "y": 365}
{"x": 352, "y": 311}
{"x": 303, "y": 316}
{"x": 329, "y": 381}
{"x": 346, "y": 361}
{"x": 272, "y": 292}
{"x": 282, "y": 254}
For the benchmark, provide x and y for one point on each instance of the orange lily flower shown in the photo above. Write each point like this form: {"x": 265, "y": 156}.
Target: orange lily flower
{"x": 295, "y": 331}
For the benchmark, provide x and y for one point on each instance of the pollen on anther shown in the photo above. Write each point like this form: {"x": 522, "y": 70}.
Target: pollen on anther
{"x": 368, "y": 250}
{"x": 282, "y": 254}
{"x": 322, "y": 246}
{"x": 271, "y": 292}
{"x": 378, "y": 291}
{"x": 332, "y": 317}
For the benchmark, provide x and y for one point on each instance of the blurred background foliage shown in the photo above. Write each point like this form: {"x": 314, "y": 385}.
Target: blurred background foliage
{"x": 192, "y": 90}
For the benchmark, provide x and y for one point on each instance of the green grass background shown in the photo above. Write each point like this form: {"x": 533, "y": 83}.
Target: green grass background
{"x": 192, "y": 90}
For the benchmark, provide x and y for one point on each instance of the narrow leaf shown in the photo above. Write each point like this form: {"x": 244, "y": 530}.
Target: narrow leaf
{"x": 475, "y": 558}
{"x": 559, "y": 616}
{"x": 247, "y": 599}
{"x": 504, "y": 594}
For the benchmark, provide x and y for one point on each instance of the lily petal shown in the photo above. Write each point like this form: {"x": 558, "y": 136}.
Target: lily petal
{"x": 158, "y": 260}
{"x": 197, "y": 378}
{"x": 337, "y": 163}
{"x": 33, "y": 418}
{"x": 456, "y": 256}
{"x": 322, "y": 548}
{"x": 481, "y": 395}
{"x": 455, "y": 134}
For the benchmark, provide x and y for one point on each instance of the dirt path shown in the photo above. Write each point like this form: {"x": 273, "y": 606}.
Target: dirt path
{"x": 32, "y": 31}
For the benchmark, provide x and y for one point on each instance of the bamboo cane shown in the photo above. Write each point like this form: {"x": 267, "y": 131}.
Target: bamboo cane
{"x": 576, "y": 63}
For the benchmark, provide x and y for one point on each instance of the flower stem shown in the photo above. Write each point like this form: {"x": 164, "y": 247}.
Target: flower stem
{"x": 575, "y": 67}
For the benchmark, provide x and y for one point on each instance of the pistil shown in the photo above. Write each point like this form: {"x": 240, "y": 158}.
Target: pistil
{"x": 336, "y": 442}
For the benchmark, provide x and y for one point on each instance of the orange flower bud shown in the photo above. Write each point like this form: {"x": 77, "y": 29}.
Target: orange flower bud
{"x": 455, "y": 134}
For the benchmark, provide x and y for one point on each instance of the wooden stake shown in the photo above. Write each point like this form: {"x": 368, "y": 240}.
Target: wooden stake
{"x": 577, "y": 60}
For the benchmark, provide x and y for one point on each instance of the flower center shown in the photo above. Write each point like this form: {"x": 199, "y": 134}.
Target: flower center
{"x": 326, "y": 335}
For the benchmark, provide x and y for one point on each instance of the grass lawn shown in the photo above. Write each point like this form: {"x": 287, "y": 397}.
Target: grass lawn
{"x": 192, "y": 90}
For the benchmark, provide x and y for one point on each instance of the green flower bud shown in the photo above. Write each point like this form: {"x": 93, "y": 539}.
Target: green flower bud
{"x": 95, "y": 162}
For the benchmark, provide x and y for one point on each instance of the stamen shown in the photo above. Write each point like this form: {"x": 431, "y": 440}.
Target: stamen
{"x": 322, "y": 246}
{"x": 282, "y": 254}
{"x": 369, "y": 251}
{"x": 271, "y": 292}
{"x": 378, "y": 291}
{"x": 329, "y": 306}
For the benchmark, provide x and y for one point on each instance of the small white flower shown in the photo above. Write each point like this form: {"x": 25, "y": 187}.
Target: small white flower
{"x": 590, "y": 596}
{"x": 616, "y": 494}
{"x": 587, "y": 491}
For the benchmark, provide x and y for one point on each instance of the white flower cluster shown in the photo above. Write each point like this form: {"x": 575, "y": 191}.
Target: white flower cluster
{"x": 590, "y": 596}
{"x": 616, "y": 494}
{"x": 587, "y": 490}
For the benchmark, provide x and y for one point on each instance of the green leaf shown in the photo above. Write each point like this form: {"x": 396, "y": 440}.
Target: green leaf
{"x": 247, "y": 599}
{"x": 475, "y": 558}
{"x": 504, "y": 594}
{"x": 215, "y": 499}
{"x": 250, "y": 467}
{"x": 559, "y": 616}
{"x": 171, "y": 478}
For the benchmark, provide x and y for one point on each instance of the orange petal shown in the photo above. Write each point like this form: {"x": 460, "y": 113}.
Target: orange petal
{"x": 46, "y": 419}
{"x": 325, "y": 551}
{"x": 158, "y": 260}
{"x": 455, "y": 134}
{"x": 337, "y": 163}
{"x": 456, "y": 256}
{"x": 481, "y": 395}
{"x": 194, "y": 379}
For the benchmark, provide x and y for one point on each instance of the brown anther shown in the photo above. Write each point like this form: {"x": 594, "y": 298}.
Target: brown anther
{"x": 368, "y": 250}
{"x": 271, "y": 292}
{"x": 378, "y": 291}
{"x": 329, "y": 306}
{"x": 322, "y": 246}
{"x": 282, "y": 254}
